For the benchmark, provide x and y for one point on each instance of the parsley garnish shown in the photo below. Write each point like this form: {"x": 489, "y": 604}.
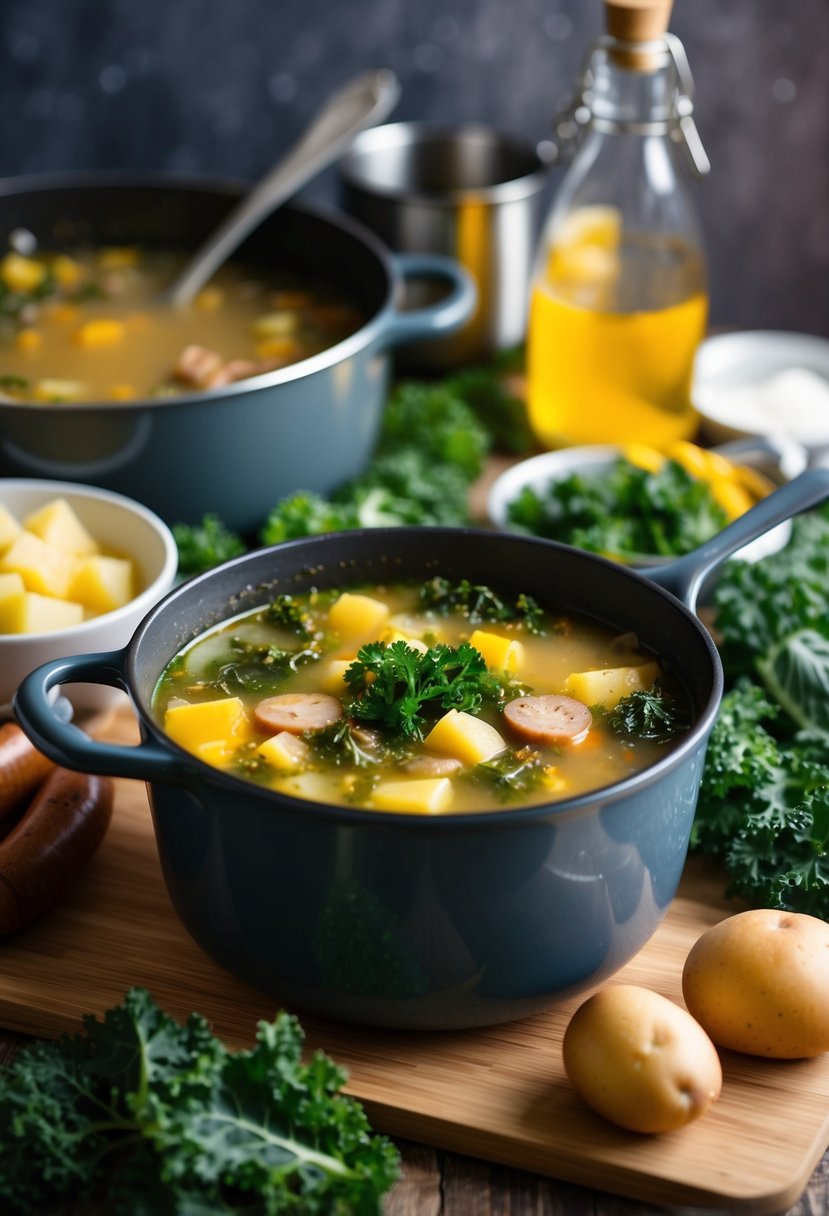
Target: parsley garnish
{"x": 397, "y": 686}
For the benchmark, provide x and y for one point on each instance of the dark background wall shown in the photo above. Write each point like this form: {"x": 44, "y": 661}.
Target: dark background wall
{"x": 222, "y": 86}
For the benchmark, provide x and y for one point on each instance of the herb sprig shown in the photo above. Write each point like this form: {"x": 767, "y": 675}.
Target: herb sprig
{"x": 397, "y": 686}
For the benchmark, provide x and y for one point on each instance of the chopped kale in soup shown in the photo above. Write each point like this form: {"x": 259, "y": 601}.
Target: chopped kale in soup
{"x": 430, "y": 699}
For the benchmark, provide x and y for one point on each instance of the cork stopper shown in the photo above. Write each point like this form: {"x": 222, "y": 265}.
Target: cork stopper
{"x": 637, "y": 21}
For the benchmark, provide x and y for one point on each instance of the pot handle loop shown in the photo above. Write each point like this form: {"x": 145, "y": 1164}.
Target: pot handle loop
{"x": 434, "y": 320}
{"x": 66, "y": 744}
{"x": 685, "y": 577}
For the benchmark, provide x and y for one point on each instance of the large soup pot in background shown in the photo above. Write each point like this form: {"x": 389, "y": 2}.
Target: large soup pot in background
{"x": 405, "y": 920}
{"x": 236, "y": 450}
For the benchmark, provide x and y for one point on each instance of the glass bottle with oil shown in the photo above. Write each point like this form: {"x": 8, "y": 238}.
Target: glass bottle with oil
{"x": 619, "y": 299}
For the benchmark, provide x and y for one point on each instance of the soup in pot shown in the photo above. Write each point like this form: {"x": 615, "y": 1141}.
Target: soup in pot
{"x": 91, "y": 326}
{"x": 428, "y": 699}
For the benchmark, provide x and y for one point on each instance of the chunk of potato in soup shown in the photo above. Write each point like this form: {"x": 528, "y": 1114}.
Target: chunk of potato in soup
{"x": 92, "y": 326}
{"x": 428, "y": 699}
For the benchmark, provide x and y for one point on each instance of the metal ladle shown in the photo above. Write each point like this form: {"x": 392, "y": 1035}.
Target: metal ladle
{"x": 363, "y": 102}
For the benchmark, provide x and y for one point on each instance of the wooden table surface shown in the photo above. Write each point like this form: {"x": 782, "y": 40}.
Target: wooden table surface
{"x": 437, "y": 1183}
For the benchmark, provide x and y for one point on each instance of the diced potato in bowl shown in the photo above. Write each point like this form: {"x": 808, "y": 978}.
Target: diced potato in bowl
{"x": 79, "y": 568}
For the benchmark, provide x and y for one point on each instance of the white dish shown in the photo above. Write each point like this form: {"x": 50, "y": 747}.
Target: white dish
{"x": 120, "y": 524}
{"x": 778, "y": 458}
{"x": 765, "y": 382}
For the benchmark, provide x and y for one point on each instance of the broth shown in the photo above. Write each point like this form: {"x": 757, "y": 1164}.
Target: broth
{"x": 90, "y": 326}
{"x": 323, "y": 696}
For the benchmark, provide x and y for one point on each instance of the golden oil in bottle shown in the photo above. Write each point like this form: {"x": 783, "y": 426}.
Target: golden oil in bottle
{"x": 615, "y": 321}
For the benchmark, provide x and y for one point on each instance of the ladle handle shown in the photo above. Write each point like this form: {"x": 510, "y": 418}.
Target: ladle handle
{"x": 685, "y": 576}
{"x": 359, "y": 104}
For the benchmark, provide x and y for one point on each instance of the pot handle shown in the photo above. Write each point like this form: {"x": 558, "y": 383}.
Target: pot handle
{"x": 685, "y": 576}
{"x": 435, "y": 320}
{"x": 67, "y": 744}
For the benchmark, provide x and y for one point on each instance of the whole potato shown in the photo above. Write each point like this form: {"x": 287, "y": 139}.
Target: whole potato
{"x": 759, "y": 983}
{"x": 640, "y": 1060}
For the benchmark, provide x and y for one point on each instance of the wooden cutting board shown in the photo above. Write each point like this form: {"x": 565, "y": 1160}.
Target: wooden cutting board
{"x": 498, "y": 1093}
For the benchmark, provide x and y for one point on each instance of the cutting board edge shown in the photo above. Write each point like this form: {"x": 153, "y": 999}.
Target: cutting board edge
{"x": 616, "y": 1180}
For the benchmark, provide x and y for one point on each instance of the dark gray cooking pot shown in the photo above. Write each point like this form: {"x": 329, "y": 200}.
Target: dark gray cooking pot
{"x": 403, "y": 920}
{"x": 236, "y": 450}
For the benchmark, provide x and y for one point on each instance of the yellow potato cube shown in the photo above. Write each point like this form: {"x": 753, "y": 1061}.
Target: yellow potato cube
{"x": 118, "y": 257}
{"x": 275, "y": 325}
{"x": 55, "y": 391}
{"x": 28, "y": 339}
{"x": 277, "y": 348}
{"x": 332, "y": 676}
{"x": 67, "y": 271}
{"x": 355, "y": 615}
{"x": 221, "y": 721}
{"x": 57, "y": 524}
{"x": 465, "y": 737}
{"x": 102, "y": 583}
{"x": 502, "y": 654}
{"x": 395, "y": 635}
{"x": 12, "y": 590}
{"x": 10, "y": 528}
{"x": 28, "y": 612}
{"x": 100, "y": 332}
{"x": 122, "y": 392}
{"x": 210, "y": 299}
{"x": 43, "y": 568}
{"x": 427, "y": 796}
{"x": 21, "y": 274}
{"x": 216, "y": 752}
{"x": 607, "y": 687}
{"x": 284, "y": 751}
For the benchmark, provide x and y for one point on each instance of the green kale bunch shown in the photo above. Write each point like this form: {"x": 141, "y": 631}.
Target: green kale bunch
{"x": 156, "y": 1118}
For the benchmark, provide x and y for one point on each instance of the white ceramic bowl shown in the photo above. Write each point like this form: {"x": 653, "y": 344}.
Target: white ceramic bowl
{"x": 765, "y": 382}
{"x": 778, "y": 458}
{"x": 119, "y": 524}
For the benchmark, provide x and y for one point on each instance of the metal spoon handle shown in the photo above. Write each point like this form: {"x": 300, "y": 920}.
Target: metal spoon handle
{"x": 361, "y": 103}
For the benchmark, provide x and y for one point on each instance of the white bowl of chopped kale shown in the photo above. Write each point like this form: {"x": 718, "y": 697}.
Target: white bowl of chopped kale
{"x": 639, "y": 506}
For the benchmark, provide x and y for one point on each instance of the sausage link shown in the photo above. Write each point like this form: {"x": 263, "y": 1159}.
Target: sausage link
{"x": 57, "y": 836}
{"x": 298, "y": 712}
{"x": 549, "y": 719}
{"x": 22, "y": 768}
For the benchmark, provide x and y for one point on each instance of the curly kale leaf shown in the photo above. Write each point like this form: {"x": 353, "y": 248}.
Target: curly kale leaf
{"x": 436, "y": 421}
{"x": 396, "y": 686}
{"x": 304, "y": 514}
{"x": 764, "y": 807}
{"x": 759, "y": 604}
{"x": 202, "y": 546}
{"x": 512, "y": 774}
{"x": 406, "y": 486}
{"x": 152, "y": 1116}
{"x": 290, "y": 614}
{"x": 625, "y": 511}
{"x": 479, "y": 603}
{"x": 648, "y": 714}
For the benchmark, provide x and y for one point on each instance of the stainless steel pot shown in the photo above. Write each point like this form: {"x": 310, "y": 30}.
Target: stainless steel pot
{"x": 467, "y": 191}
{"x": 397, "y": 919}
{"x": 236, "y": 450}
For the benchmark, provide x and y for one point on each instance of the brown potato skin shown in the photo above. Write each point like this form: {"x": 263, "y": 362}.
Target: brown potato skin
{"x": 759, "y": 983}
{"x": 640, "y": 1060}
